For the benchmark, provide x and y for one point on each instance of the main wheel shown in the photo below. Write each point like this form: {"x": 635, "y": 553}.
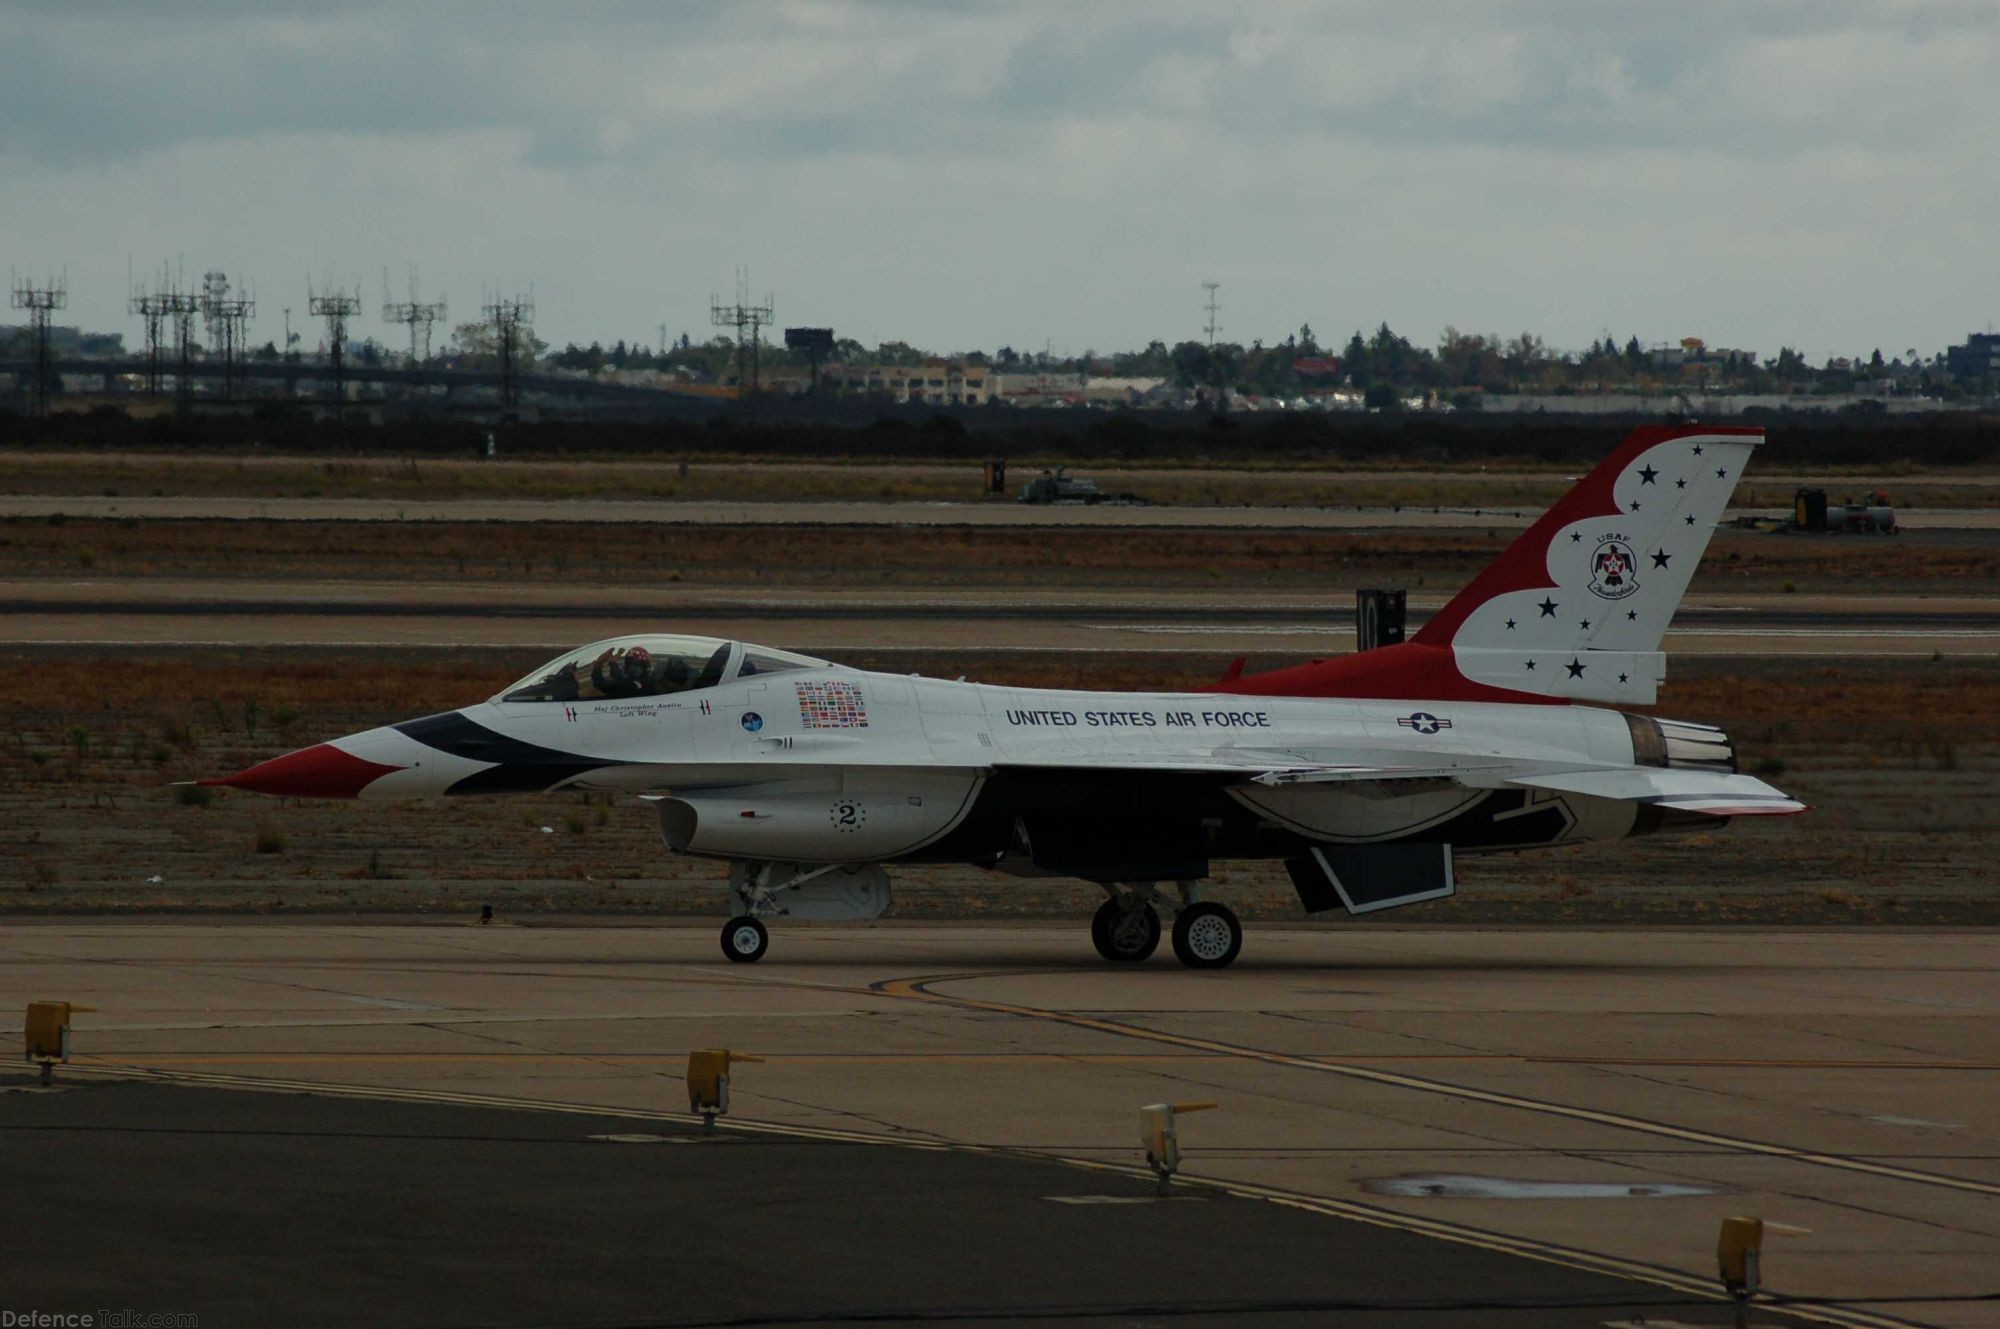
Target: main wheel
{"x": 744, "y": 939}
{"x": 1123, "y": 936}
{"x": 1207, "y": 936}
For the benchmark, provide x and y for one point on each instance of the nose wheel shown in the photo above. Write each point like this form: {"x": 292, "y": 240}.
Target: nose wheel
{"x": 744, "y": 939}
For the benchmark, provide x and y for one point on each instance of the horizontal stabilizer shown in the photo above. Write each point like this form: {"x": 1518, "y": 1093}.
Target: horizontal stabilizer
{"x": 1711, "y": 792}
{"x": 1629, "y": 678}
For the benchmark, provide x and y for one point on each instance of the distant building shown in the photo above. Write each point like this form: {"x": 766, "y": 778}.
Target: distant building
{"x": 1978, "y": 358}
{"x": 1317, "y": 366}
{"x": 938, "y": 382}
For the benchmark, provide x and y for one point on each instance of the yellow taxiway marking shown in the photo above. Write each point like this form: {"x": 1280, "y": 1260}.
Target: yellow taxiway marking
{"x": 917, "y": 989}
{"x": 1524, "y": 1247}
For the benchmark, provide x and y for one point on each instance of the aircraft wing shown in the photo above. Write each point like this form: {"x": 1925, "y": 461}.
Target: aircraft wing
{"x": 1718, "y": 794}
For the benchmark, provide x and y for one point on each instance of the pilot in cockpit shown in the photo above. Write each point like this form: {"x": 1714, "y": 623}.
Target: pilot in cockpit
{"x": 621, "y": 672}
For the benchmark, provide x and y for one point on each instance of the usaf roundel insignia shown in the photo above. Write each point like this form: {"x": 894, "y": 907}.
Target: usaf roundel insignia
{"x": 752, "y": 721}
{"x": 1613, "y": 569}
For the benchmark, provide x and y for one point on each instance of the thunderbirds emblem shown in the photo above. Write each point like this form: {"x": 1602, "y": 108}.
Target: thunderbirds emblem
{"x": 1612, "y": 568}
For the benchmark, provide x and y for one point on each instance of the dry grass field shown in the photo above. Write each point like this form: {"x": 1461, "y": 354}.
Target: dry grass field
{"x": 853, "y": 558}
{"x": 1900, "y": 758}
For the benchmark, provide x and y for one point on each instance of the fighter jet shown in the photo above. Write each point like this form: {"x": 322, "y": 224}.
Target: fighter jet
{"x": 1366, "y": 775}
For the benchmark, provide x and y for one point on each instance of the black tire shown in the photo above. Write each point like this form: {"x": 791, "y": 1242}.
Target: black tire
{"x": 1207, "y": 936}
{"x": 744, "y": 939}
{"x": 1125, "y": 938}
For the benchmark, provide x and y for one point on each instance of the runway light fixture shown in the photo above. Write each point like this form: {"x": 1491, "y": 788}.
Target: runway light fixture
{"x": 1161, "y": 1138}
{"x": 1737, "y": 1254}
{"x": 708, "y": 1082}
{"x": 47, "y": 1034}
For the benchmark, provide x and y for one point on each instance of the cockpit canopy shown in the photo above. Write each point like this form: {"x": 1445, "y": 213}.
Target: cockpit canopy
{"x": 650, "y": 665}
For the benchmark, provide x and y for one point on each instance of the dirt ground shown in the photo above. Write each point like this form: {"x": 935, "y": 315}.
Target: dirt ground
{"x": 854, "y": 558}
{"x": 668, "y": 476}
{"x": 1901, "y": 760}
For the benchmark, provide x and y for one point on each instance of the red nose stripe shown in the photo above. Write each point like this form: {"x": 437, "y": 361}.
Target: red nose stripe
{"x": 318, "y": 772}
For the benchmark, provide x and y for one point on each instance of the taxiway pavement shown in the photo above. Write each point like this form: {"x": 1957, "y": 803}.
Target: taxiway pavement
{"x": 1840, "y": 1082}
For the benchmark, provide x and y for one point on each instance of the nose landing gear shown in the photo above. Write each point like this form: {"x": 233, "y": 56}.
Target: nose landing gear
{"x": 744, "y": 939}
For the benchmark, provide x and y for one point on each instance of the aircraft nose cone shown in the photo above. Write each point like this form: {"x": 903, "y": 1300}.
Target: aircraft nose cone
{"x": 316, "y": 772}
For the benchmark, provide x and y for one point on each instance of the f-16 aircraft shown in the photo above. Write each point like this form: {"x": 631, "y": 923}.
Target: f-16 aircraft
{"x": 1365, "y": 774}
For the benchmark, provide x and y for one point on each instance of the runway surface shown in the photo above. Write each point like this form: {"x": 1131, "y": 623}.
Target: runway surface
{"x": 211, "y": 611}
{"x": 257, "y": 1208}
{"x": 810, "y": 513}
{"x": 1840, "y": 1082}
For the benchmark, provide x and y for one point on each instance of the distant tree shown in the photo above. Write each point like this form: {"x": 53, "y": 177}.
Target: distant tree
{"x": 1382, "y": 397}
{"x": 1391, "y": 358}
{"x": 1355, "y": 360}
{"x": 1467, "y": 359}
{"x": 1308, "y": 347}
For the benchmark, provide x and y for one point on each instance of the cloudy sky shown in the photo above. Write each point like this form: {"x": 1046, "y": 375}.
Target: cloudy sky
{"x": 962, "y": 176}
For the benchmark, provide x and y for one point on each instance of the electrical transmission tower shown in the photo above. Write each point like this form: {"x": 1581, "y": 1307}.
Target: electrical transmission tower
{"x": 749, "y": 321}
{"x": 180, "y": 308}
{"x": 336, "y": 307}
{"x": 41, "y": 302}
{"x": 508, "y": 318}
{"x": 228, "y": 320}
{"x": 417, "y": 314}
{"x": 152, "y": 307}
{"x": 1214, "y": 307}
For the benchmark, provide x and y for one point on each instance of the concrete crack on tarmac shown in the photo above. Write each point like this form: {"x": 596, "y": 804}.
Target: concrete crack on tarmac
{"x": 922, "y": 989}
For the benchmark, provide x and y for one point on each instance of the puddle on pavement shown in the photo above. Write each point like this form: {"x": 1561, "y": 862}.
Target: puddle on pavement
{"x": 1460, "y": 1186}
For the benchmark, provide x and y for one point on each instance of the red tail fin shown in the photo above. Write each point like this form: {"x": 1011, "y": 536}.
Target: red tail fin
{"x": 1576, "y": 607}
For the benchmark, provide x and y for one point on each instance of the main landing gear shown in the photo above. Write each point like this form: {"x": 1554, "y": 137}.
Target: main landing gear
{"x": 744, "y": 939}
{"x": 1126, "y": 928}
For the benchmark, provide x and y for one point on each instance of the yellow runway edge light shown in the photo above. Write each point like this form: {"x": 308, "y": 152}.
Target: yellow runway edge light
{"x": 708, "y": 1081}
{"x": 46, "y": 1034}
